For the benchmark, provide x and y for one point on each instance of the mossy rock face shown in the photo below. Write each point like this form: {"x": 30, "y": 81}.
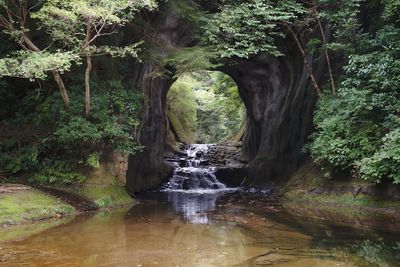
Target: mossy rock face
{"x": 182, "y": 134}
{"x": 107, "y": 197}
{"x": 112, "y": 169}
{"x": 109, "y": 192}
{"x": 311, "y": 184}
{"x": 311, "y": 193}
{"x": 104, "y": 185}
{"x": 21, "y": 204}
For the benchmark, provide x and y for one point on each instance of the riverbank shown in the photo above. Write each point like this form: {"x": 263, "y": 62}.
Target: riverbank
{"x": 22, "y": 205}
{"x": 307, "y": 193}
{"x": 348, "y": 201}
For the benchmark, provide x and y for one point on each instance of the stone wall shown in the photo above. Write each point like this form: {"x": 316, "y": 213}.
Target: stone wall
{"x": 112, "y": 165}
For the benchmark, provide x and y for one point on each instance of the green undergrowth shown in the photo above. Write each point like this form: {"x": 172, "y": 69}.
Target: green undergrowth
{"x": 23, "y": 206}
{"x": 205, "y": 107}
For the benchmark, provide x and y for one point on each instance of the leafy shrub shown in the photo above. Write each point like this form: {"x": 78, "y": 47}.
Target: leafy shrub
{"x": 359, "y": 129}
{"x": 93, "y": 160}
{"x": 48, "y": 142}
{"x": 56, "y": 171}
{"x": 111, "y": 124}
{"x": 23, "y": 159}
{"x": 385, "y": 162}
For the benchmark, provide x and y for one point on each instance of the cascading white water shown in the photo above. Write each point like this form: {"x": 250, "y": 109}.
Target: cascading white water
{"x": 194, "y": 175}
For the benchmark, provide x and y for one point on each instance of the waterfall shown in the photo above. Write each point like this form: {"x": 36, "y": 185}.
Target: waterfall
{"x": 193, "y": 172}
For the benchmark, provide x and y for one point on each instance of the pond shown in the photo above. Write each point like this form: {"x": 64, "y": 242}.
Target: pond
{"x": 197, "y": 228}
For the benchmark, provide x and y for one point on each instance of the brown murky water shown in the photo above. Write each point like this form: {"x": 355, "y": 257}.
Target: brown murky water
{"x": 178, "y": 229}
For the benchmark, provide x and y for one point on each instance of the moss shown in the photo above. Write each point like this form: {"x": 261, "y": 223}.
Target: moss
{"x": 379, "y": 253}
{"x": 306, "y": 182}
{"x": 183, "y": 135}
{"x": 28, "y": 205}
{"x": 108, "y": 196}
{"x": 346, "y": 199}
{"x": 306, "y": 178}
{"x": 309, "y": 193}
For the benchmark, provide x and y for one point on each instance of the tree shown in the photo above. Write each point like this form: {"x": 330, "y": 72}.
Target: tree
{"x": 73, "y": 27}
{"x": 242, "y": 29}
{"x": 78, "y": 24}
{"x": 249, "y": 28}
{"x": 13, "y": 20}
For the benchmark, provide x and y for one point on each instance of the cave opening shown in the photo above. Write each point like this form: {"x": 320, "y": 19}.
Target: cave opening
{"x": 205, "y": 107}
{"x": 206, "y": 122}
{"x": 278, "y": 119}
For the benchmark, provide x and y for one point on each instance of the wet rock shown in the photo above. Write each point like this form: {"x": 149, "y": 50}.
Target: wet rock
{"x": 182, "y": 162}
{"x": 181, "y": 153}
{"x": 234, "y": 164}
{"x": 186, "y": 184}
{"x": 215, "y": 186}
{"x": 204, "y": 162}
{"x": 238, "y": 144}
{"x": 226, "y": 157}
{"x": 199, "y": 154}
{"x": 221, "y": 154}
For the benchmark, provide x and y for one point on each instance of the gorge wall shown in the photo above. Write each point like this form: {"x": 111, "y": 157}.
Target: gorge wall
{"x": 277, "y": 95}
{"x": 279, "y": 101}
{"x": 147, "y": 169}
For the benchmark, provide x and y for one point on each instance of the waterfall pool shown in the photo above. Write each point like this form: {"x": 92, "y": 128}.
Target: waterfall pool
{"x": 195, "y": 220}
{"x": 219, "y": 228}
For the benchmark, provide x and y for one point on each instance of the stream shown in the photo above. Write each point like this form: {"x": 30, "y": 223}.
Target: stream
{"x": 194, "y": 220}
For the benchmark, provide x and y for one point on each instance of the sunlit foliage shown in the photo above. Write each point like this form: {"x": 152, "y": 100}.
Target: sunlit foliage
{"x": 242, "y": 28}
{"x": 208, "y": 105}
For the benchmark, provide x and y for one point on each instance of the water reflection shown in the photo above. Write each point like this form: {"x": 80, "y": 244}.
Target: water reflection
{"x": 181, "y": 229}
{"x": 195, "y": 206}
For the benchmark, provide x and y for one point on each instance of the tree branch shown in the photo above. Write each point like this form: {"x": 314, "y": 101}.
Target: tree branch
{"x": 306, "y": 63}
{"x": 328, "y": 60}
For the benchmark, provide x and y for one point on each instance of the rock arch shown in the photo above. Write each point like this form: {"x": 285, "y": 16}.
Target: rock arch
{"x": 277, "y": 96}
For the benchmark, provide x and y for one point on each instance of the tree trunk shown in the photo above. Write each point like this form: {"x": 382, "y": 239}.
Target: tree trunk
{"x": 87, "y": 84}
{"x": 328, "y": 60}
{"x": 64, "y": 94}
{"x": 56, "y": 75}
{"x": 88, "y": 69}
